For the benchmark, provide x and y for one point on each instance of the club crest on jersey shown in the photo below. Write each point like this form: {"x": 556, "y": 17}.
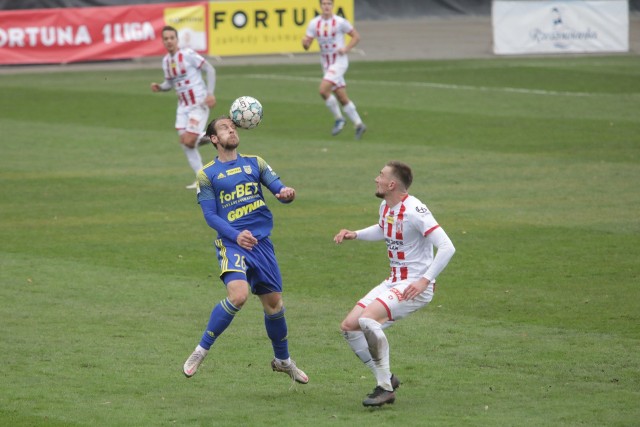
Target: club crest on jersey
{"x": 247, "y": 169}
{"x": 390, "y": 219}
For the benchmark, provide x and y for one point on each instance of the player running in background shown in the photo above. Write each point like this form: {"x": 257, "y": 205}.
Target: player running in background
{"x": 183, "y": 71}
{"x": 231, "y": 199}
{"x": 411, "y": 232}
{"x": 330, "y": 29}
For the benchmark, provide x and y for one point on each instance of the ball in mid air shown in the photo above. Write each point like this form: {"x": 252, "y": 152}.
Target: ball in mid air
{"x": 246, "y": 112}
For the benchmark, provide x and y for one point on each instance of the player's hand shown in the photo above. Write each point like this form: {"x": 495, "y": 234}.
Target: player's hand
{"x": 246, "y": 240}
{"x": 155, "y": 87}
{"x": 287, "y": 194}
{"x": 210, "y": 100}
{"x": 415, "y": 288}
{"x": 344, "y": 235}
{"x": 306, "y": 43}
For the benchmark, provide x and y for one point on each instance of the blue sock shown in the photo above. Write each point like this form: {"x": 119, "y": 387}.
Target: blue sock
{"x": 276, "y": 326}
{"x": 220, "y": 318}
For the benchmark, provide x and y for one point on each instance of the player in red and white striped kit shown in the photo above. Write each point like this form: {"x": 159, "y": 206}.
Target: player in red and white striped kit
{"x": 183, "y": 71}
{"x": 411, "y": 233}
{"x": 329, "y": 30}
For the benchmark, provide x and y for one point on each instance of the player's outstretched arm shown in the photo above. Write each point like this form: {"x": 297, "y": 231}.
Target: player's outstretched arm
{"x": 344, "y": 234}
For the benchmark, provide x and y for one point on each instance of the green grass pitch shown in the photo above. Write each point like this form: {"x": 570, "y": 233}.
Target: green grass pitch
{"x": 108, "y": 273}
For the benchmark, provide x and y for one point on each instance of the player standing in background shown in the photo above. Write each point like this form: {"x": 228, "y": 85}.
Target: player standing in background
{"x": 411, "y": 232}
{"x": 183, "y": 71}
{"x": 330, "y": 29}
{"x": 230, "y": 196}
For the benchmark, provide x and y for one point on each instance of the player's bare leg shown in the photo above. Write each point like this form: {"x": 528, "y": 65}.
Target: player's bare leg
{"x": 188, "y": 142}
{"x": 326, "y": 88}
{"x": 350, "y": 110}
{"x": 357, "y": 341}
{"x": 371, "y": 322}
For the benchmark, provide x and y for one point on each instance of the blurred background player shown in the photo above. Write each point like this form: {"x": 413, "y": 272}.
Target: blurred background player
{"x": 411, "y": 232}
{"x": 183, "y": 70}
{"x": 329, "y": 30}
{"x": 231, "y": 199}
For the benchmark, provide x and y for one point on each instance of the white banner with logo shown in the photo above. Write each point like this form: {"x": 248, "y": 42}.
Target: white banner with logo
{"x": 572, "y": 26}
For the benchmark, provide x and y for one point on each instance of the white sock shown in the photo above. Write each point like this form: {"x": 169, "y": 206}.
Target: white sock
{"x": 352, "y": 113}
{"x": 283, "y": 362}
{"x": 360, "y": 347}
{"x": 379, "y": 349}
{"x": 332, "y": 104}
{"x": 193, "y": 157}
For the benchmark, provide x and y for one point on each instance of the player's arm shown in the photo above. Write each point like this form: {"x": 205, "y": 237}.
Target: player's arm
{"x": 371, "y": 233}
{"x": 444, "y": 251}
{"x": 243, "y": 238}
{"x": 210, "y": 78}
{"x": 306, "y": 42}
{"x": 308, "y": 36}
{"x": 206, "y": 197}
{"x": 355, "y": 39}
{"x": 161, "y": 87}
{"x": 282, "y": 192}
{"x": 210, "y": 212}
{"x": 286, "y": 195}
{"x": 270, "y": 179}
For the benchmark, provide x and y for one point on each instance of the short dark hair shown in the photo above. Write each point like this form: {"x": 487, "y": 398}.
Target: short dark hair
{"x": 402, "y": 171}
{"x": 169, "y": 28}
{"x": 211, "y": 128}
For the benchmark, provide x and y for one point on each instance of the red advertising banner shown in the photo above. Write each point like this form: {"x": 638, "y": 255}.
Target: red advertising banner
{"x": 46, "y": 36}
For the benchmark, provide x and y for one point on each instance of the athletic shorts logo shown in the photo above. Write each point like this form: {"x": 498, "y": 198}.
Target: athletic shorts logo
{"x": 397, "y": 293}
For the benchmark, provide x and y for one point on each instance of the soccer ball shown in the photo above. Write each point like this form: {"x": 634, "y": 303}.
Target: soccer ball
{"x": 246, "y": 112}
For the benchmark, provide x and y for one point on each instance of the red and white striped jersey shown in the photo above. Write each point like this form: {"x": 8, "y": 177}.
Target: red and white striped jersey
{"x": 405, "y": 227}
{"x": 183, "y": 71}
{"x": 330, "y": 35}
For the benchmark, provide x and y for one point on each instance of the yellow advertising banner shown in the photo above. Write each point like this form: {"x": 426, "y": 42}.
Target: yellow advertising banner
{"x": 265, "y": 26}
{"x": 189, "y": 21}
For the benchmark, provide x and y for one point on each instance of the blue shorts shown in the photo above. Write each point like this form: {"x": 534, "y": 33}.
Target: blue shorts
{"x": 258, "y": 266}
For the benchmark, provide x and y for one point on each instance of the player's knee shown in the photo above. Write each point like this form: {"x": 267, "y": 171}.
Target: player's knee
{"x": 348, "y": 325}
{"x": 325, "y": 92}
{"x": 238, "y": 299}
{"x": 343, "y": 98}
{"x": 238, "y": 295}
{"x": 188, "y": 140}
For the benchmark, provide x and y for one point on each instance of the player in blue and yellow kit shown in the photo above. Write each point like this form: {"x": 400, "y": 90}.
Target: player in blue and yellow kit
{"x": 230, "y": 196}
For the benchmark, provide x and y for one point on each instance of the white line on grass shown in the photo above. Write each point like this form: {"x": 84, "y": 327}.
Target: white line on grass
{"x": 444, "y": 86}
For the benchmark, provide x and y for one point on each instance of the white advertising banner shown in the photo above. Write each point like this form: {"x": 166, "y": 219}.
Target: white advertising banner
{"x": 572, "y": 26}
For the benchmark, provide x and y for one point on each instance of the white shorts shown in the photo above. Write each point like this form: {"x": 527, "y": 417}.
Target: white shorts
{"x": 390, "y": 295}
{"x": 192, "y": 119}
{"x": 335, "y": 73}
